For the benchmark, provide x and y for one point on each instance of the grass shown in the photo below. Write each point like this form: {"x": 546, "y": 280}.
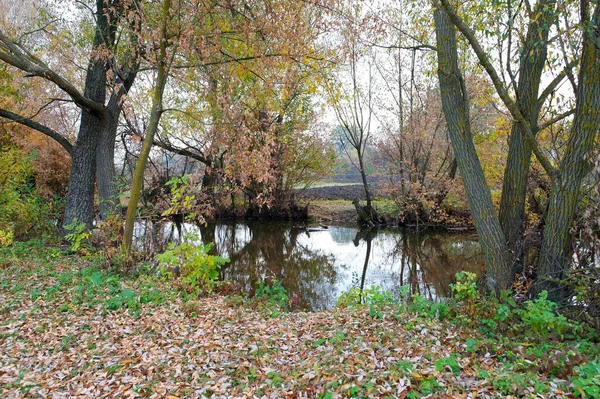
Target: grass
{"x": 327, "y": 184}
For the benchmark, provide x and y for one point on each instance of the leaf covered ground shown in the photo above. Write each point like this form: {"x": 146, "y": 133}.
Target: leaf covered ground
{"x": 70, "y": 330}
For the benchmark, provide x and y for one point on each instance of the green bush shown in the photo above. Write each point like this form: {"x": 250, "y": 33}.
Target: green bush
{"x": 465, "y": 288}
{"x": 273, "y": 295}
{"x": 424, "y": 307}
{"x": 23, "y": 213}
{"x": 367, "y": 297}
{"x": 190, "y": 261}
{"x": 539, "y": 316}
{"x": 78, "y": 236}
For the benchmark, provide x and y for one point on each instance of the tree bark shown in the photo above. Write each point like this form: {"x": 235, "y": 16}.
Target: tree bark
{"x": 108, "y": 191}
{"x": 455, "y": 105}
{"x": 514, "y": 188}
{"x": 80, "y": 197}
{"x": 163, "y": 66}
{"x": 555, "y": 254}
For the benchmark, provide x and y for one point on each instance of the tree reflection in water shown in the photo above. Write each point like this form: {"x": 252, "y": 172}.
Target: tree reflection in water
{"x": 318, "y": 267}
{"x": 272, "y": 251}
{"x": 429, "y": 261}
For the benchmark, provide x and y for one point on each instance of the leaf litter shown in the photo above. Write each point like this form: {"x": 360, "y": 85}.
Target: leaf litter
{"x": 57, "y": 346}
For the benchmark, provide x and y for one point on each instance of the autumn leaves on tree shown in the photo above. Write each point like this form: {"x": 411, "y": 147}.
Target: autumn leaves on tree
{"x": 243, "y": 90}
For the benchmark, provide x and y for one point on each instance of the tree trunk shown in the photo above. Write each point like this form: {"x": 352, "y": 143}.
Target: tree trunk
{"x": 157, "y": 109}
{"x": 363, "y": 175}
{"x": 108, "y": 191}
{"x": 105, "y": 164}
{"x": 555, "y": 253}
{"x": 514, "y": 189}
{"x": 80, "y": 197}
{"x": 456, "y": 110}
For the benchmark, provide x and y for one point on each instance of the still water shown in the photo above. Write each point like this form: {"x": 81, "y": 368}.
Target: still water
{"x": 318, "y": 266}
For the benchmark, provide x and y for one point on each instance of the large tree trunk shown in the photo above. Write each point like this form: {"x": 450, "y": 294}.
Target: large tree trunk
{"x": 514, "y": 189}
{"x": 105, "y": 166}
{"x": 108, "y": 191}
{"x": 556, "y": 248}
{"x": 456, "y": 110}
{"x": 80, "y": 198}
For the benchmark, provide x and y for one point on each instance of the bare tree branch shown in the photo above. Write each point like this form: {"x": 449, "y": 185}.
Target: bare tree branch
{"x": 557, "y": 118}
{"x": 556, "y": 81}
{"x": 39, "y": 127}
{"x": 14, "y": 55}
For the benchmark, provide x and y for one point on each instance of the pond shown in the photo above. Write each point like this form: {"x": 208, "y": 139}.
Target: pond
{"x": 317, "y": 265}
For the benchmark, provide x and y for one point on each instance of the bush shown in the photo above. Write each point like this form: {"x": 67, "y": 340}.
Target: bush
{"x": 23, "y": 213}
{"x": 368, "y": 297}
{"x": 79, "y": 237}
{"x": 465, "y": 288}
{"x": 273, "y": 295}
{"x": 192, "y": 263}
{"x": 539, "y": 315}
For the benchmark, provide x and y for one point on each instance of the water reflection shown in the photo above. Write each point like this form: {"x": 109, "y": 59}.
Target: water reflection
{"x": 318, "y": 266}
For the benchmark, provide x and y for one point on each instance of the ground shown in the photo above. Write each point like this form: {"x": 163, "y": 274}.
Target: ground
{"x": 70, "y": 329}
{"x": 332, "y": 202}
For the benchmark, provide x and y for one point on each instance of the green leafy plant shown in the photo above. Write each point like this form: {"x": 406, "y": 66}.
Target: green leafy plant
{"x": 273, "y": 294}
{"x": 191, "y": 261}
{"x": 23, "y": 212}
{"x": 78, "y": 236}
{"x": 367, "y": 297}
{"x": 437, "y": 310}
{"x": 540, "y": 316}
{"x": 405, "y": 366}
{"x": 6, "y": 238}
{"x": 465, "y": 288}
{"x": 587, "y": 383}
{"x": 186, "y": 199}
{"x": 447, "y": 362}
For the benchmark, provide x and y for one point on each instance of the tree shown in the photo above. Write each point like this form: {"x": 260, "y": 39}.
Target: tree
{"x": 553, "y": 261}
{"x": 455, "y": 104}
{"x": 533, "y": 57}
{"x": 166, "y": 43}
{"x": 94, "y": 148}
{"x": 556, "y": 249}
{"x": 353, "y": 107}
{"x": 240, "y": 67}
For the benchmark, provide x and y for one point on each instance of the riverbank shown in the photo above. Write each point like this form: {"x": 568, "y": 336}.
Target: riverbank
{"x": 332, "y": 203}
{"x": 69, "y": 329}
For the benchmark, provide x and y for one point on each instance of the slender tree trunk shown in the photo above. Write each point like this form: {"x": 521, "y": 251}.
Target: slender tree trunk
{"x": 157, "y": 110}
{"x": 514, "y": 189}
{"x": 555, "y": 255}
{"x": 80, "y": 197}
{"x": 456, "y": 109}
{"x": 363, "y": 175}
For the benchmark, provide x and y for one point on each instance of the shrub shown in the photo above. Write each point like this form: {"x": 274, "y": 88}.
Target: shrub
{"x": 78, "y": 236}
{"x": 539, "y": 315}
{"x": 272, "y": 295}
{"x": 465, "y": 288}
{"x": 190, "y": 261}
{"x": 6, "y": 238}
{"x": 369, "y": 297}
{"x": 23, "y": 213}
{"x": 424, "y": 307}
